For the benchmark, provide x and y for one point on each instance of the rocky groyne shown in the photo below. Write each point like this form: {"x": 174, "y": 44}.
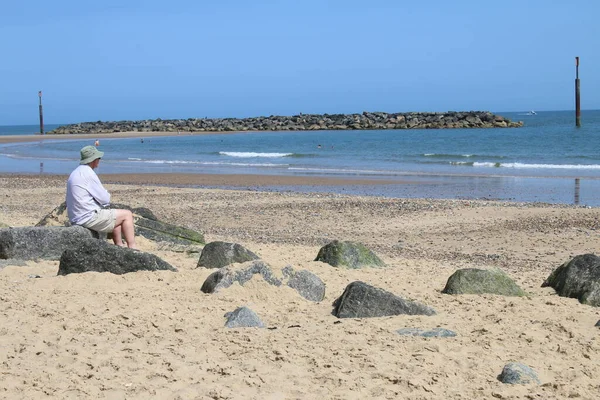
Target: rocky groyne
{"x": 301, "y": 122}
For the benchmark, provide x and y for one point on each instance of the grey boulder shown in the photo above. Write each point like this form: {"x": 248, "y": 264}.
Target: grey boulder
{"x": 361, "y": 300}
{"x": 480, "y": 281}
{"x": 30, "y": 243}
{"x": 225, "y": 277}
{"x": 349, "y": 255}
{"x": 307, "y": 284}
{"x": 221, "y": 254}
{"x": 518, "y": 374}
{"x": 100, "y": 256}
{"x": 578, "y": 278}
{"x": 243, "y": 317}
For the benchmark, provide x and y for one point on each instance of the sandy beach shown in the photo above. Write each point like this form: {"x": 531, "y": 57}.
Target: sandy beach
{"x": 156, "y": 335}
{"x": 97, "y": 136}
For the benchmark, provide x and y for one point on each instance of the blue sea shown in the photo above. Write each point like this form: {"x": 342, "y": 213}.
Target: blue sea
{"x": 25, "y": 129}
{"x": 538, "y": 162}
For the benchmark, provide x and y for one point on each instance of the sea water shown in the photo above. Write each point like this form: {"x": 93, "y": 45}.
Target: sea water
{"x": 537, "y": 162}
{"x": 25, "y": 129}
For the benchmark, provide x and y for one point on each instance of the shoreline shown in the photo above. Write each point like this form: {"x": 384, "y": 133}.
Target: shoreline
{"x": 539, "y": 191}
{"x": 413, "y": 185}
{"x": 115, "y": 135}
{"x": 219, "y": 180}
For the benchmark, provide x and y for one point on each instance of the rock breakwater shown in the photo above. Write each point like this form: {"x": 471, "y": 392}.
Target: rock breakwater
{"x": 301, "y": 122}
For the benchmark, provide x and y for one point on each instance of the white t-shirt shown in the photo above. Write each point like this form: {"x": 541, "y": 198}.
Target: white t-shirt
{"x": 85, "y": 194}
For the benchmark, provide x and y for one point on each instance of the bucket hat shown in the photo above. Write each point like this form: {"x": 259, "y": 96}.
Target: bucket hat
{"x": 89, "y": 154}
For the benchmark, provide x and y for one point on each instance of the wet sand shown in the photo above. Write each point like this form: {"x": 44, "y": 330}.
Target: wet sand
{"x": 222, "y": 180}
{"x": 97, "y": 136}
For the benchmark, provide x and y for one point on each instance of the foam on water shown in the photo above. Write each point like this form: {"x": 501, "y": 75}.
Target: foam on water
{"x": 253, "y": 154}
{"x": 537, "y": 166}
{"x": 548, "y": 146}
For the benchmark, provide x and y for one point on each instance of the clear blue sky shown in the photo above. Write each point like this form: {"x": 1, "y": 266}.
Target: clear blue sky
{"x": 146, "y": 59}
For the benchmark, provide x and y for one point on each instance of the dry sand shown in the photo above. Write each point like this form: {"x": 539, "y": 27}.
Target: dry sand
{"x": 155, "y": 335}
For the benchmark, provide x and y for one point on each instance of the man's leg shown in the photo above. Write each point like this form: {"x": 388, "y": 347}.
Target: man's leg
{"x": 117, "y": 237}
{"x": 124, "y": 227}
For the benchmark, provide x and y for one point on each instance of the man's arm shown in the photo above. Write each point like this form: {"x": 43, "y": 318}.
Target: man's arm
{"x": 98, "y": 192}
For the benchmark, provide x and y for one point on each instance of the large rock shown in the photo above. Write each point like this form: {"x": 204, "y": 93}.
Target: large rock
{"x": 348, "y": 255}
{"x": 243, "y": 317}
{"x": 307, "y": 284}
{"x": 7, "y": 244}
{"x": 30, "y": 243}
{"x": 578, "y": 278}
{"x": 225, "y": 277}
{"x": 159, "y": 231}
{"x": 480, "y": 281}
{"x": 221, "y": 254}
{"x": 146, "y": 225}
{"x": 100, "y": 256}
{"x": 361, "y": 300}
{"x": 518, "y": 374}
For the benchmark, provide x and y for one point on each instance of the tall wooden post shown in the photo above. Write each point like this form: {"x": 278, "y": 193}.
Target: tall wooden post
{"x": 41, "y": 114}
{"x": 577, "y": 98}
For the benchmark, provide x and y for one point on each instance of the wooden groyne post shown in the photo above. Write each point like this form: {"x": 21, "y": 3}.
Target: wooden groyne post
{"x": 577, "y": 98}
{"x": 41, "y": 114}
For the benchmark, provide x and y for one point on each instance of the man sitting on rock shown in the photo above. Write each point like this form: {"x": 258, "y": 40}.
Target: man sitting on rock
{"x": 86, "y": 199}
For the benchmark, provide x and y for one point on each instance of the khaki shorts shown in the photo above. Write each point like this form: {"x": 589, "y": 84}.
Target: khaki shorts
{"x": 103, "y": 220}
